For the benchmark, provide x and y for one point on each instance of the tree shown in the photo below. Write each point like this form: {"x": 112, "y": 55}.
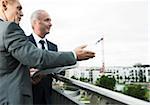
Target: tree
{"x": 73, "y": 77}
{"x": 137, "y": 65}
{"x": 135, "y": 90}
{"x": 106, "y": 82}
{"x": 84, "y": 79}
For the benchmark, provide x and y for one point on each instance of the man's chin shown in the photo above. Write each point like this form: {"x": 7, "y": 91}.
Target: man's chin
{"x": 47, "y": 33}
{"x": 17, "y": 21}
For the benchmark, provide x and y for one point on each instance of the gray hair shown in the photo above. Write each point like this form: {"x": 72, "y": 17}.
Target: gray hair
{"x": 36, "y": 15}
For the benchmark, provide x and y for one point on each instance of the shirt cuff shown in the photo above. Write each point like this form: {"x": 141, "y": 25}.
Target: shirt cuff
{"x": 75, "y": 56}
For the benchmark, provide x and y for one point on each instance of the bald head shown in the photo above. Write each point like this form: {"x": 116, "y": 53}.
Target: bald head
{"x": 36, "y": 15}
{"x": 41, "y": 22}
{"x": 8, "y": 1}
{"x": 11, "y": 10}
{"x": 11, "y": 1}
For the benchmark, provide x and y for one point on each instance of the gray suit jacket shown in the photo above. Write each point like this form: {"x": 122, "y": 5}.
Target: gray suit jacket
{"x": 17, "y": 54}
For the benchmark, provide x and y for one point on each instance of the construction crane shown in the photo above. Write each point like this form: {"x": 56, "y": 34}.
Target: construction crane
{"x": 102, "y": 68}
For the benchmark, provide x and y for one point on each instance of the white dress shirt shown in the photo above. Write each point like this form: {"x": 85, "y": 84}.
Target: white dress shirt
{"x": 37, "y": 39}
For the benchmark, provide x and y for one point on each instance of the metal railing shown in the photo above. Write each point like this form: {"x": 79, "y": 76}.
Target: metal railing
{"x": 95, "y": 95}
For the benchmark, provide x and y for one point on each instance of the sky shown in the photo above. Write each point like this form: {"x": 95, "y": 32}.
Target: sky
{"x": 122, "y": 23}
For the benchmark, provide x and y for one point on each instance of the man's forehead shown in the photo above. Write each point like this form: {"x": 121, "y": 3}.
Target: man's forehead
{"x": 13, "y": 1}
{"x": 18, "y": 4}
{"x": 44, "y": 15}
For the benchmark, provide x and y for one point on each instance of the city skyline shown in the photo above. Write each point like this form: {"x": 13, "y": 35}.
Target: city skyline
{"x": 122, "y": 23}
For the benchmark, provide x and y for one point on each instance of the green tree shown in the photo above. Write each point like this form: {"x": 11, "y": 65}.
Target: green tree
{"x": 106, "y": 82}
{"x": 137, "y": 91}
{"x": 73, "y": 77}
{"x": 84, "y": 79}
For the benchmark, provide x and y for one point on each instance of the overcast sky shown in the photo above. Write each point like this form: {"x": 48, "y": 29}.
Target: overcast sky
{"x": 122, "y": 23}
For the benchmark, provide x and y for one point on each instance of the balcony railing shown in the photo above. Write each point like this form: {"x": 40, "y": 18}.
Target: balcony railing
{"x": 95, "y": 95}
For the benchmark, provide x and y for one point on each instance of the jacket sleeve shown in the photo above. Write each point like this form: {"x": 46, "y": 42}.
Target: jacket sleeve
{"x": 18, "y": 45}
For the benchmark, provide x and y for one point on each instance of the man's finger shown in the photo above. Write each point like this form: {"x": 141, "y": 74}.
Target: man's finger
{"x": 83, "y": 46}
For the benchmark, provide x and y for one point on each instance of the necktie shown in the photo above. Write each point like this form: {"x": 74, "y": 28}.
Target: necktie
{"x": 42, "y": 42}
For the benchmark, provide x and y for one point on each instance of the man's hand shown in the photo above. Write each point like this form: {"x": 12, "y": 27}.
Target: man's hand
{"x": 32, "y": 71}
{"x": 83, "y": 54}
{"x": 35, "y": 80}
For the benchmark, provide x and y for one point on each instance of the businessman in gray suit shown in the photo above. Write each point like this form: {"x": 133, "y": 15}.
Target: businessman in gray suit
{"x": 17, "y": 54}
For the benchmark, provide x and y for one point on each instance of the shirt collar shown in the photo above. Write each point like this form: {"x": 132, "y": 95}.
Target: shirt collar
{"x": 37, "y": 38}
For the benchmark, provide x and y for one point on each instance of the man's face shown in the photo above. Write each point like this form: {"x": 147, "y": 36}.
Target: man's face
{"x": 14, "y": 11}
{"x": 44, "y": 24}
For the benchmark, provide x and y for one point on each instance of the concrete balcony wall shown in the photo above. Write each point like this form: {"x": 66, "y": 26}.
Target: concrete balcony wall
{"x": 96, "y": 95}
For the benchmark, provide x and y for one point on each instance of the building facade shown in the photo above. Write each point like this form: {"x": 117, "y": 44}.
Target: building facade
{"x": 134, "y": 74}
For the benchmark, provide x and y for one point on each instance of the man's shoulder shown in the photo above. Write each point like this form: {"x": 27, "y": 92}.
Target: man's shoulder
{"x": 52, "y": 46}
{"x": 51, "y": 43}
{"x": 30, "y": 37}
{"x": 8, "y": 25}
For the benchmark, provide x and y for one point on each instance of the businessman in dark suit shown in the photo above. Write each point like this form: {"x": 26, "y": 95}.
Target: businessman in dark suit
{"x": 42, "y": 88}
{"x": 18, "y": 54}
{"x": 41, "y": 24}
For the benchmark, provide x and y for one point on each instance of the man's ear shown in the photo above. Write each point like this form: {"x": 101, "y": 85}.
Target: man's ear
{"x": 4, "y": 4}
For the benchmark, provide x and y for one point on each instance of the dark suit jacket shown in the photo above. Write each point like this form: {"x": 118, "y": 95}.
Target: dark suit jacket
{"x": 17, "y": 54}
{"x": 43, "y": 90}
{"x": 51, "y": 46}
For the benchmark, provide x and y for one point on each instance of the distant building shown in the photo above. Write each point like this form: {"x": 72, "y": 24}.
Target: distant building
{"x": 130, "y": 74}
{"x": 122, "y": 74}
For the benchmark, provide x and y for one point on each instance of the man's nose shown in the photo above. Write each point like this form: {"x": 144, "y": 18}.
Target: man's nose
{"x": 21, "y": 14}
{"x": 50, "y": 24}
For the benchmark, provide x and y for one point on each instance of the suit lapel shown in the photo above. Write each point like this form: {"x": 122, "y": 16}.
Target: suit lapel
{"x": 1, "y": 19}
{"x": 51, "y": 46}
{"x": 48, "y": 45}
{"x": 31, "y": 38}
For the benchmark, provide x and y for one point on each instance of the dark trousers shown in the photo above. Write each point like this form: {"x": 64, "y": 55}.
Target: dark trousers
{"x": 42, "y": 91}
